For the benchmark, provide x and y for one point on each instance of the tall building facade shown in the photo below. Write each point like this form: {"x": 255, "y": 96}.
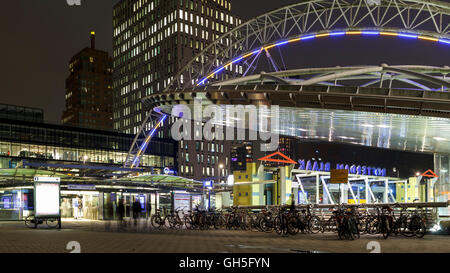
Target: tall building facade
{"x": 152, "y": 41}
{"x": 89, "y": 97}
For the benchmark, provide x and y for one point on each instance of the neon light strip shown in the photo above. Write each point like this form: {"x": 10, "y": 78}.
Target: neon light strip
{"x": 147, "y": 140}
{"x": 327, "y": 34}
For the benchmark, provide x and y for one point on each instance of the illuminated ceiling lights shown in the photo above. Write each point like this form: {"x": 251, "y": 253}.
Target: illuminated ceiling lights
{"x": 367, "y": 125}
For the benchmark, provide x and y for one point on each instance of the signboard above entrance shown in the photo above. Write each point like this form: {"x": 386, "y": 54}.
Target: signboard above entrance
{"x": 321, "y": 166}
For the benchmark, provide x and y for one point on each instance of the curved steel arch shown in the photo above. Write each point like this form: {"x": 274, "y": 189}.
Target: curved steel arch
{"x": 421, "y": 17}
{"x": 430, "y": 75}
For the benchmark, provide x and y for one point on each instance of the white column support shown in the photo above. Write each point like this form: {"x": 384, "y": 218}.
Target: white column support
{"x": 366, "y": 180}
{"x": 300, "y": 183}
{"x": 392, "y": 196}
{"x": 351, "y": 191}
{"x": 374, "y": 200}
{"x": 325, "y": 188}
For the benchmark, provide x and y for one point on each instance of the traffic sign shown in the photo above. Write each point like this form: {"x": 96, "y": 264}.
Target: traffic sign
{"x": 339, "y": 176}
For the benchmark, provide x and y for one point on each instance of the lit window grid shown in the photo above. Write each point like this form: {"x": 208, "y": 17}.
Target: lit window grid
{"x": 147, "y": 42}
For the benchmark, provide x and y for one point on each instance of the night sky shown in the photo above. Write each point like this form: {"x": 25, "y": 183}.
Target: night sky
{"x": 39, "y": 38}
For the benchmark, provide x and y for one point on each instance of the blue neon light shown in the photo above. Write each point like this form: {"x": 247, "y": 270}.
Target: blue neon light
{"x": 444, "y": 41}
{"x": 337, "y": 33}
{"x": 218, "y": 70}
{"x": 371, "y": 33}
{"x": 237, "y": 60}
{"x": 406, "y": 35}
{"x": 152, "y": 133}
{"x": 281, "y": 43}
{"x": 308, "y": 37}
{"x": 257, "y": 51}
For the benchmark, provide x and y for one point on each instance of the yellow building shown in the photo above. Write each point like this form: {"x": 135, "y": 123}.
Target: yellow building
{"x": 412, "y": 191}
{"x": 265, "y": 188}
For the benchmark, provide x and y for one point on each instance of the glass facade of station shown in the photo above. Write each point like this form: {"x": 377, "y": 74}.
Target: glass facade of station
{"x": 50, "y": 144}
{"x": 98, "y": 204}
{"x": 22, "y": 140}
{"x": 315, "y": 188}
{"x": 442, "y": 186}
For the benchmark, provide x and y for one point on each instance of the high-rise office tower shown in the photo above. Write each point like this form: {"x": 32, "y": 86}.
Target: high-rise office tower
{"x": 152, "y": 41}
{"x": 89, "y": 89}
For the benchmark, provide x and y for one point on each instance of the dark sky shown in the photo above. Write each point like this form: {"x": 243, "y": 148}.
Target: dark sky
{"x": 39, "y": 38}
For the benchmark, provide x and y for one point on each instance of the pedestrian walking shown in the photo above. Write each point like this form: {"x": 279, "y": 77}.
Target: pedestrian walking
{"x": 136, "y": 211}
{"x": 120, "y": 213}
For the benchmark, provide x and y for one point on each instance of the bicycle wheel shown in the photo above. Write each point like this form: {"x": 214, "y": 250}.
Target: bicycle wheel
{"x": 331, "y": 225}
{"x": 29, "y": 221}
{"x": 404, "y": 228}
{"x": 188, "y": 222}
{"x": 418, "y": 227}
{"x": 52, "y": 223}
{"x": 314, "y": 225}
{"x": 278, "y": 225}
{"x": 156, "y": 221}
{"x": 265, "y": 225}
{"x": 292, "y": 225}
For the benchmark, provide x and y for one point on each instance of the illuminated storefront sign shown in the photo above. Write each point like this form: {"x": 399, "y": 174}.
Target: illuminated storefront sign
{"x": 208, "y": 184}
{"x": 168, "y": 171}
{"x": 80, "y": 187}
{"x": 321, "y": 166}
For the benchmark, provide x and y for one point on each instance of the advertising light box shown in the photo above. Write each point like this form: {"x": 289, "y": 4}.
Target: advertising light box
{"x": 47, "y": 199}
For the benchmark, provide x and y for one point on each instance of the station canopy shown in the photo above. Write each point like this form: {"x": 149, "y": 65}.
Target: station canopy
{"x": 22, "y": 177}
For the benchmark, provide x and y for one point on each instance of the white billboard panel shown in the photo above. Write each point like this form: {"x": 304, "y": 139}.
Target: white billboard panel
{"x": 47, "y": 199}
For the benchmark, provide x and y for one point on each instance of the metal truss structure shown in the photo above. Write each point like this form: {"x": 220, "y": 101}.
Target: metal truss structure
{"x": 402, "y": 89}
{"x": 414, "y": 77}
{"x": 423, "y": 19}
{"x": 149, "y": 127}
{"x": 235, "y": 54}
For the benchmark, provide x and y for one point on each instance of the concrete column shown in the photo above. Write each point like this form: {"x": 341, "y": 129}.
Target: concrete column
{"x": 282, "y": 186}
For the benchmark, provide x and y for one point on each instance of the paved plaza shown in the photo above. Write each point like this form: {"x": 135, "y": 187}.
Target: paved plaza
{"x": 104, "y": 237}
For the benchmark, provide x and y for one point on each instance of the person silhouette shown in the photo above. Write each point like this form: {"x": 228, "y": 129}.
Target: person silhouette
{"x": 121, "y": 213}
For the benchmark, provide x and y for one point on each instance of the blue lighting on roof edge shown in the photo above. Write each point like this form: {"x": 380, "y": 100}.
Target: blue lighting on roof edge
{"x": 339, "y": 33}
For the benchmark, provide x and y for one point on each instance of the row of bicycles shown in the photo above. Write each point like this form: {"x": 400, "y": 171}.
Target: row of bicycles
{"x": 348, "y": 222}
